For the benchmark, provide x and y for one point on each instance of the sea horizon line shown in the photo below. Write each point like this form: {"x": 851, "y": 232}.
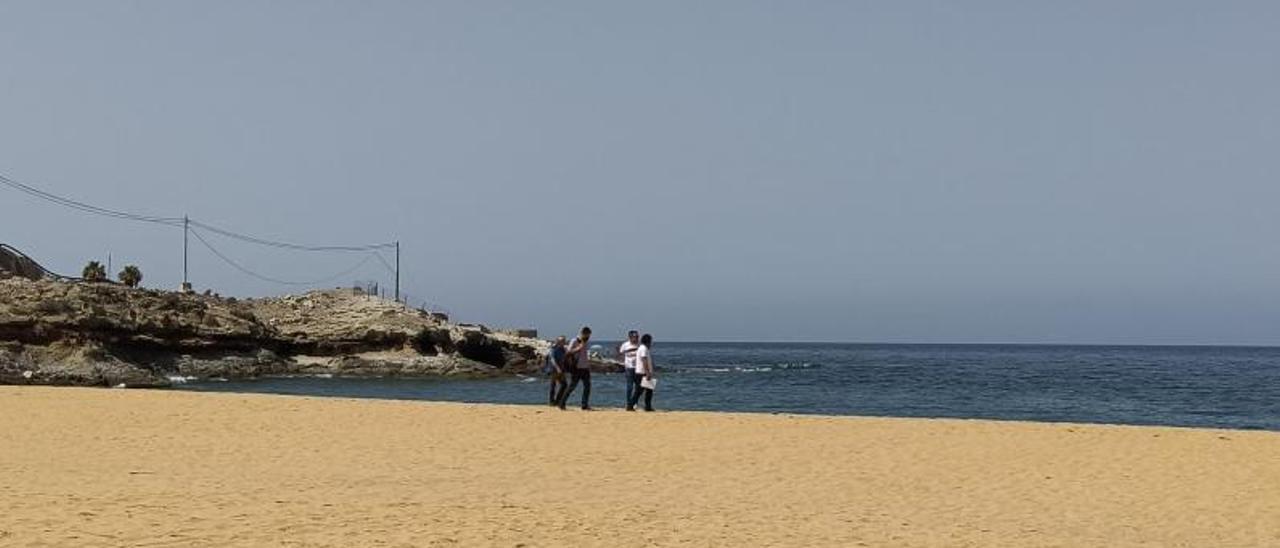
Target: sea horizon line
{"x": 887, "y": 343}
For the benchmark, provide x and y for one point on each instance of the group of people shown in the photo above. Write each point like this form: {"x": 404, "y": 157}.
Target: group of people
{"x": 569, "y": 365}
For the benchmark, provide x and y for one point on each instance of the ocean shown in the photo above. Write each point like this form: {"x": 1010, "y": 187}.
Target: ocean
{"x": 1229, "y": 387}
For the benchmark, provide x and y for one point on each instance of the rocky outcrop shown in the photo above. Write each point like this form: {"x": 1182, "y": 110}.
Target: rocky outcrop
{"x": 98, "y": 334}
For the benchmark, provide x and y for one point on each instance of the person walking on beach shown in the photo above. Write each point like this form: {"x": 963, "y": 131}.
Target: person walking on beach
{"x": 579, "y": 369}
{"x": 558, "y": 382}
{"x": 643, "y": 375}
{"x": 628, "y": 352}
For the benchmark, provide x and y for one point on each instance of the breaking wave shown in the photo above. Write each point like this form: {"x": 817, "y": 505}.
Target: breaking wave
{"x": 762, "y": 368}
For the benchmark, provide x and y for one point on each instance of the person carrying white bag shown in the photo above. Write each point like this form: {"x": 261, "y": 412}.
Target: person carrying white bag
{"x": 644, "y": 379}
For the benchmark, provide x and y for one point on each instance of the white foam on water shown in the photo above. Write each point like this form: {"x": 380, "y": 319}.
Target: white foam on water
{"x": 760, "y": 368}
{"x": 801, "y": 365}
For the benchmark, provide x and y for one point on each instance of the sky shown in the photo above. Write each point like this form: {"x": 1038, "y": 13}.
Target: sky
{"x": 933, "y": 172}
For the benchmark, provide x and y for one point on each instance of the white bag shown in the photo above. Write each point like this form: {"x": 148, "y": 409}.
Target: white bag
{"x": 650, "y": 383}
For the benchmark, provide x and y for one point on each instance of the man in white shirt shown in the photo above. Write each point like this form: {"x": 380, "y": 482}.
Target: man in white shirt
{"x": 628, "y": 352}
{"x": 643, "y": 375}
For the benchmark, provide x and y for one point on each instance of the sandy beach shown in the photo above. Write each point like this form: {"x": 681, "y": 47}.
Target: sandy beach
{"x": 96, "y": 467}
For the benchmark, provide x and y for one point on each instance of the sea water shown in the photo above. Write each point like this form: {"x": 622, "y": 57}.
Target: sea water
{"x": 1233, "y": 387}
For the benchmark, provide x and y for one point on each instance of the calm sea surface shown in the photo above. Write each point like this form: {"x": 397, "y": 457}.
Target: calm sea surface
{"x": 1234, "y": 387}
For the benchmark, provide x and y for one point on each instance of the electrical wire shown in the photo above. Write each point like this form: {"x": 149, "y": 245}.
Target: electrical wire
{"x": 87, "y": 208}
{"x": 178, "y": 221}
{"x": 371, "y": 249}
{"x": 286, "y": 245}
{"x": 251, "y": 273}
{"x": 385, "y": 264}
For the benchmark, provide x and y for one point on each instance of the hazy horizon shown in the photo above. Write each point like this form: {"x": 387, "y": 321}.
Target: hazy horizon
{"x": 994, "y": 172}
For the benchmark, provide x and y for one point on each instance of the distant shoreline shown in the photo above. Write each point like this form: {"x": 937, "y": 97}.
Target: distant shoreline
{"x": 1058, "y": 345}
{"x": 605, "y": 408}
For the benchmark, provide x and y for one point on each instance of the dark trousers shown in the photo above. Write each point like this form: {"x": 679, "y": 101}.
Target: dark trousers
{"x": 579, "y": 374}
{"x": 558, "y": 385}
{"x": 635, "y": 396}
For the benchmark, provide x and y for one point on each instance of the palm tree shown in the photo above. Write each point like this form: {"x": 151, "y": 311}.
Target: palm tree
{"x": 94, "y": 272}
{"x": 131, "y": 276}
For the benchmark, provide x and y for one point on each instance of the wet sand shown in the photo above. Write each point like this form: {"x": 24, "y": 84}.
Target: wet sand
{"x": 97, "y": 467}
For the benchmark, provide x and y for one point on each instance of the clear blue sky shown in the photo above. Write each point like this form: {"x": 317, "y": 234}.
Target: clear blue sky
{"x": 864, "y": 171}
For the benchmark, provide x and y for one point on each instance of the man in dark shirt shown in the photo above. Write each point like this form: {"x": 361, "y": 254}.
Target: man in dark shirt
{"x": 579, "y": 369}
{"x": 558, "y": 382}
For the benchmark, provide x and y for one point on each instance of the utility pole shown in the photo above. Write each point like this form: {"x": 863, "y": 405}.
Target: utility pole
{"x": 397, "y": 270}
{"x": 186, "y": 228}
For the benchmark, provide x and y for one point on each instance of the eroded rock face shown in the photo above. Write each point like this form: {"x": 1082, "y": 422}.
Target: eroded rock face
{"x": 107, "y": 335}
{"x": 15, "y": 263}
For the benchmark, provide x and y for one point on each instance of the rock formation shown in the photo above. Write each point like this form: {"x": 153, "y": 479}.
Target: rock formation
{"x": 15, "y": 263}
{"x": 78, "y": 333}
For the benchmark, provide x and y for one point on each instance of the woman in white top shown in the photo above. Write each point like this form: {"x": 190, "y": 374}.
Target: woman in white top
{"x": 643, "y": 375}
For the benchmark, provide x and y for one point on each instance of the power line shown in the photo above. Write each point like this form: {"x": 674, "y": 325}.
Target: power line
{"x": 385, "y": 264}
{"x": 286, "y": 245}
{"x": 87, "y": 208}
{"x": 187, "y": 224}
{"x": 262, "y": 277}
{"x": 178, "y": 221}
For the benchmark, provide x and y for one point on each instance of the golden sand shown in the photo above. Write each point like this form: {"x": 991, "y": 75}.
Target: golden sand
{"x": 96, "y": 467}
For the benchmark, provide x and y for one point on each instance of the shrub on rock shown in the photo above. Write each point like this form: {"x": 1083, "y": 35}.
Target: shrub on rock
{"x": 131, "y": 276}
{"x": 94, "y": 272}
